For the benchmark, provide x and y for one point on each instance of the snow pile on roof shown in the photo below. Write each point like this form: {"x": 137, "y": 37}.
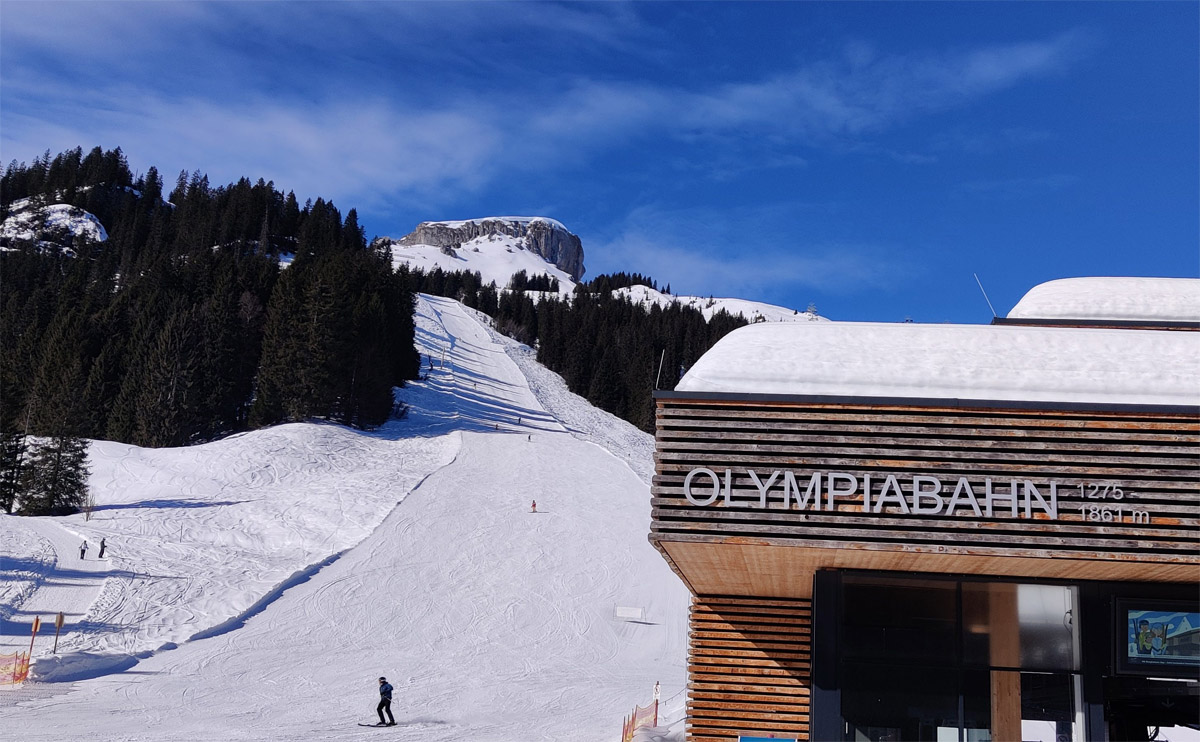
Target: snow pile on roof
{"x": 57, "y": 220}
{"x": 968, "y": 362}
{"x": 1121, "y": 299}
{"x": 753, "y": 311}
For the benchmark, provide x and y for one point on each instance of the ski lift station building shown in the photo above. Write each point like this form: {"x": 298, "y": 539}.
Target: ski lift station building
{"x": 943, "y": 532}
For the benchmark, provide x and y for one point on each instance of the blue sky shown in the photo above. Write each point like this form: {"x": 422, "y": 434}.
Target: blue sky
{"x": 864, "y": 157}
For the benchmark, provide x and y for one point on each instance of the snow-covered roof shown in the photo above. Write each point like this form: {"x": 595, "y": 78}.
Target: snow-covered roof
{"x": 521, "y": 219}
{"x": 1111, "y": 298}
{"x": 954, "y": 362}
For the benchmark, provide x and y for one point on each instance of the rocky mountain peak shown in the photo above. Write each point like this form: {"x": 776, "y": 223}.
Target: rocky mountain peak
{"x": 540, "y": 235}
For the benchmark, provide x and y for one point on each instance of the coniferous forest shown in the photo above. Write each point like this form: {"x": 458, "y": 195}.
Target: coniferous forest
{"x": 182, "y": 326}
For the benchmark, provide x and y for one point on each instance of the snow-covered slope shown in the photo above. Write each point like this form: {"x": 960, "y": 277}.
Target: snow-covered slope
{"x": 754, "y": 311}
{"x": 204, "y": 532}
{"x": 493, "y": 622}
{"x": 495, "y": 257}
{"x": 52, "y": 225}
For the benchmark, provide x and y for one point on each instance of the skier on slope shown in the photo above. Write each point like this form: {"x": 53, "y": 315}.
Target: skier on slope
{"x": 83, "y": 549}
{"x": 385, "y": 703}
{"x": 102, "y": 546}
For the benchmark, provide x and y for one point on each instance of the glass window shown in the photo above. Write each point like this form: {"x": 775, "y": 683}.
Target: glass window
{"x": 888, "y": 619}
{"x": 1020, "y": 626}
{"x": 895, "y": 703}
{"x": 948, "y": 661}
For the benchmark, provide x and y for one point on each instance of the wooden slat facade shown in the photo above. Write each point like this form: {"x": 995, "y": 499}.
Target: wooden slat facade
{"x": 751, "y": 568}
{"x": 1153, "y": 457}
{"x": 749, "y": 665}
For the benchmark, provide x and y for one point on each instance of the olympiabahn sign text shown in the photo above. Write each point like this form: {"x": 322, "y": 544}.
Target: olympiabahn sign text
{"x": 915, "y": 495}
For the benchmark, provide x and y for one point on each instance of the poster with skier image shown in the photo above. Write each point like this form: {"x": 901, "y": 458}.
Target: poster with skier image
{"x": 1162, "y": 638}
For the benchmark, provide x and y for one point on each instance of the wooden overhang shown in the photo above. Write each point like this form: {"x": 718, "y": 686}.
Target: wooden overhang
{"x": 740, "y": 548}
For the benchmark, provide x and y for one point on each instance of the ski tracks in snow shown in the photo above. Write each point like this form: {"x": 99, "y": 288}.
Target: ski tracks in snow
{"x": 497, "y": 622}
{"x": 59, "y": 581}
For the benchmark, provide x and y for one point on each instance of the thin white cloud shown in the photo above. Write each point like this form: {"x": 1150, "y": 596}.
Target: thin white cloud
{"x": 810, "y": 105}
{"x": 758, "y": 251}
{"x": 357, "y": 152}
{"x": 400, "y": 146}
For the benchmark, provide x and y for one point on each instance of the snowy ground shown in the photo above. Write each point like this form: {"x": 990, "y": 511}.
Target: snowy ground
{"x": 257, "y": 586}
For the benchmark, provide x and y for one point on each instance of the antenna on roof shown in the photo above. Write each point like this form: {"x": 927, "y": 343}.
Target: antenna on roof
{"x": 985, "y": 296}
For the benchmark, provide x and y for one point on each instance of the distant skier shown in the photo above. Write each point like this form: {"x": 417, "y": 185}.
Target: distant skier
{"x": 101, "y": 554}
{"x": 533, "y": 508}
{"x": 83, "y": 549}
{"x": 385, "y": 703}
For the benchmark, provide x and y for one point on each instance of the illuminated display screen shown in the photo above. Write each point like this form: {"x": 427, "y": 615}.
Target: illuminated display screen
{"x": 1162, "y": 638}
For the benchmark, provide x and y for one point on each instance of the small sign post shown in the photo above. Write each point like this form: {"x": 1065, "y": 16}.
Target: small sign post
{"x": 37, "y": 624}
{"x": 58, "y": 624}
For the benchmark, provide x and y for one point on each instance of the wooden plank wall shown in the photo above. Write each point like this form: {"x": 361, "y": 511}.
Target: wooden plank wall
{"x": 749, "y": 667}
{"x": 1155, "y": 456}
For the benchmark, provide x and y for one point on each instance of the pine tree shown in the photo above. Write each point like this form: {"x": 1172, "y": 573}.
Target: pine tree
{"x": 168, "y": 403}
{"x": 55, "y": 480}
{"x": 158, "y": 338}
{"x": 12, "y": 465}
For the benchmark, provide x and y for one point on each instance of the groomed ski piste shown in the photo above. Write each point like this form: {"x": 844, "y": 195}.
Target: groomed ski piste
{"x": 255, "y": 588}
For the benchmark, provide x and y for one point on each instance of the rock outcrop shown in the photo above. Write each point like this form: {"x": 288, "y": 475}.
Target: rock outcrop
{"x": 545, "y": 237}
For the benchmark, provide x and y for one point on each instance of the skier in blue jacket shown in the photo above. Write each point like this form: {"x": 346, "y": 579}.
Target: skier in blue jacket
{"x": 385, "y": 703}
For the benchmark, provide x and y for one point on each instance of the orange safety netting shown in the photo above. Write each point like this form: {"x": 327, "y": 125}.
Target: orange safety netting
{"x": 643, "y": 716}
{"x": 14, "y": 668}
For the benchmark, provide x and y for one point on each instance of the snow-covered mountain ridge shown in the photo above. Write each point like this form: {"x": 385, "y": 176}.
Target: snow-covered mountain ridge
{"x": 753, "y": 311}
{"x": 546, "y": 238}
{"x": 498, "y": 247}
{"x": 495, "y": 256}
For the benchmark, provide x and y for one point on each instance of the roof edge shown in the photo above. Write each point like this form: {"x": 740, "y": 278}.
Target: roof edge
{"x": 930, "y": 402}
{"x": 1131, "y": 324}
